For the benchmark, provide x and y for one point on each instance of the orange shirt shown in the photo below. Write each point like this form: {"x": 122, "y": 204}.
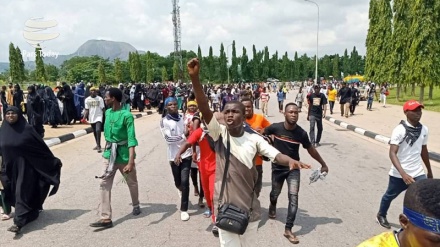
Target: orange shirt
{"x": 258, "y": 122}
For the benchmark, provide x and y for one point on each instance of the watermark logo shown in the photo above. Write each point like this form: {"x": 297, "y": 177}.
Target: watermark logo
{"x": 34, "y": 35}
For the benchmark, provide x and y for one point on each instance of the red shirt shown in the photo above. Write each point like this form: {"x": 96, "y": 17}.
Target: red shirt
{"x": 207, "y": 156}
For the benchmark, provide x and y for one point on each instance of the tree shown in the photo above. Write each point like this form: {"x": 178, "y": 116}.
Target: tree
{"x": 378, "y": 59}
{"x": 223, "y": 61}
{"x": 255, "y": 65}
{"x": 13, "y": 73}
{"x": 101, "y": 73}
{"x": 175, "y": 71}
{"x": 21, "y": 74}
{"x": 346, "y": 64}
{"x": 149, "y": 68}
{"x": 210, "y": 65}
{"x": 245, "y": 73}
{"x": 336, "y": 72}
{"x": 135, "y": 66}
{"x": 164, "y": 74}
{"x": 202, "y": 70}
{"x": 52, "y": 72}
{"x": 285, "y": 67}
{"x": 266, "y": 64}
{"x": 296, "y": 68}
{"x": 40, "y": 72}
{"x": 234, "y": 66}
{"x": 423, "y": 53}
{"x": 118, "y": 70}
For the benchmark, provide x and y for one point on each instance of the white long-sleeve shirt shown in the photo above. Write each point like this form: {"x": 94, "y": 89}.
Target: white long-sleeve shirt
{"x": 174, "y": 134}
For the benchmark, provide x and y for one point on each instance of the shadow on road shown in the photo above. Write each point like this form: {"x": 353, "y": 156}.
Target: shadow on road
{"x": 53, "y": 216}
{"x": 305, "y": 221}
{"x": 156, "y": 208}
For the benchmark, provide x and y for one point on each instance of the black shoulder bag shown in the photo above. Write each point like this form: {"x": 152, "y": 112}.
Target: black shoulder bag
{"x": 231, "y": 218}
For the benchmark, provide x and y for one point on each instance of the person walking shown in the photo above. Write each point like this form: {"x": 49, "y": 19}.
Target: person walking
{"x": 280, "y": 97}
{"x": 29, "y": 169}
{"x": 119, "y": 154}
{"x": 408, "y": 150}
{"x": 175, "y": 132}
{"x": 94, "y": 112}
{"x": 383, "y": 95}
{"x": 265, "y": 97}
{"x": 354, "y": 99}
{"x": 344, "y": 95}
{"x": 287, "y": 137}
{"x": 258, "y": 123}
{"x": 370, "y": 94}
{"x": 236, "y": 174}
{"x": 316, "y": 112}
{"x": 35, "y": 110}
{"x": 300, "y": 98}
{"x": 332, "y": 93}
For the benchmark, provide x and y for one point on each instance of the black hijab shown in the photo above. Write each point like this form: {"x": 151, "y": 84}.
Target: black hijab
{"x": 21, "y": 140}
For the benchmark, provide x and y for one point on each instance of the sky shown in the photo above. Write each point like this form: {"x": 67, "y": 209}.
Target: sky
{"x": 283, "y": 25}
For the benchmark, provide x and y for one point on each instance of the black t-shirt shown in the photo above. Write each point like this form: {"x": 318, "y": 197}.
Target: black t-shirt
{"x": 345, "y": 94}
{"x": 317, "y": 103}
{"x": 288, "y": 141}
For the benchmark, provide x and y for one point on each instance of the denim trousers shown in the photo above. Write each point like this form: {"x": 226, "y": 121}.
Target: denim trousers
{"x": 293, "y": 181}
{"x": 395, "y": 187}
{"x": 181, "y": 180}
{"x": 318, "y": 121}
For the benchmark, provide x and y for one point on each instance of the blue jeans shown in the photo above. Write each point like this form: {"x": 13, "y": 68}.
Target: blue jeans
{"x": 395, "y": 187}
{"x": 293, "y": 181}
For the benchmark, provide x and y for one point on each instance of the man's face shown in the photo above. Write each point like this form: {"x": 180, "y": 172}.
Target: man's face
{"x": 291, "y": 114}
{"x": 417, "y": 237}
{"x": 234, "y": 117}
{"x": 93, "y": 93}
{"x": 192, "y": 108}
{"x": 11, "y": 117}
{"x": 10, "y": 86}
{"x": 248, "y": 109}
{"x": 415, "y": 115}
{"x": 108, "y": 100}
{"x": 317, "y": 90}
{"x": 172, "y": 107}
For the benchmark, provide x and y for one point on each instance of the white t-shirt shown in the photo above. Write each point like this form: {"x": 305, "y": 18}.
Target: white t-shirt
{"x": 95, "y": 107}
{"x": 215, "y": 98}
{"x": 173, "y": 133}
{"x": 409, "y": 156}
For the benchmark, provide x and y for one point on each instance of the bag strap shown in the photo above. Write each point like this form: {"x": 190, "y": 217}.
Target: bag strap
{"x": 225, "y": 173}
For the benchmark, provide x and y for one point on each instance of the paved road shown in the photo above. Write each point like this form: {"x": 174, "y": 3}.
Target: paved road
{"x": 336, "y": 212}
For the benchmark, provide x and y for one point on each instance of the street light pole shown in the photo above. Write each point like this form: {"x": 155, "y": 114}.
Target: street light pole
{"x": 317, "y": 42}
{"x": 227, "y": 61}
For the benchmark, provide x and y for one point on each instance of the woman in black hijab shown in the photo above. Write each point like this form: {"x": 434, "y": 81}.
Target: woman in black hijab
{"x": 35, "y": 110}
{"x": 29, "y": 168}
{"x": 66, "y": 96}
{"x": 18, "y": 96}
{"x": 53, "y": 113}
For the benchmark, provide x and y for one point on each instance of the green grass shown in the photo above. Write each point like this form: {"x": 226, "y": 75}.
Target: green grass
{"x": 430, "y": 105}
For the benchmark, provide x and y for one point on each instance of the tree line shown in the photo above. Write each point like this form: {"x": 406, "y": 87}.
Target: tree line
{"x": 151, "y": 66}
{"x": 403, "y": 44}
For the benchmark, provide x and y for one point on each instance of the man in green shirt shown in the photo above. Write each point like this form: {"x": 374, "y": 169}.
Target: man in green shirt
{"x": 119, "y": 155}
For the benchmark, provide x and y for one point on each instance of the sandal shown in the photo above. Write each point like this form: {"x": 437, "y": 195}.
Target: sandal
{"x": 5, "y": 217}
{"x": 292, "y": 238}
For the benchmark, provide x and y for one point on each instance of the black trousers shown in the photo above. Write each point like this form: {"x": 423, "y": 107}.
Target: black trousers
{"x": 194, "y": 173}
{"x": 259, "y": 184}
{"x": 97, "y": 129}
{"x": 181, "y": 180}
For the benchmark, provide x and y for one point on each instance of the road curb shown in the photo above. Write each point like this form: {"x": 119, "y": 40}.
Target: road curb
{"x": 380, "y": 138}
{"x": 70, "y": 136}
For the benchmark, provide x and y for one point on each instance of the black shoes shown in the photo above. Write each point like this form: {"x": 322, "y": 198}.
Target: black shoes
{"x": 215, "y": 231}
{"x": 14, "y": 229}
{"x": 102, "y": 224}
{"x": 382, "y": 220}
{"x": 136, "y": 211}
{"x": 272, "y": 211}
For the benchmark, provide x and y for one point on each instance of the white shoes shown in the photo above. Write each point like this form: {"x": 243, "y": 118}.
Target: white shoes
{"x": 184, "y": 216}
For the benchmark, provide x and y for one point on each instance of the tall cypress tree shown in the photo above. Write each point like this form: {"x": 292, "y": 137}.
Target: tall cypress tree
{"x": 202, "y": 70}
{"x": 423, "y": 56}
{"x": 296, "y": 68}
{"x": 118, "y": 70}
{"x": 40, "y": 72}
{"x": 101, "y": 73}
{"x": 245, "y": 66}
{"x": 211, "y": 66}
{"x": 336, "y": 72}
{"x": 285, "y": 67}
{"x": 223, "y": 70}
{"x": 175, "y": 71}
{"x": 255, "y": 65}
{"x": 13, "y": 73}
{"x": 234, "y": 64}
{"x": 149, "y": 68}
{"x": 21, "y": 75}
{"x": 164, "y": 74}
{"x": 266, "y": 64}
{"x": 378, "y": 60}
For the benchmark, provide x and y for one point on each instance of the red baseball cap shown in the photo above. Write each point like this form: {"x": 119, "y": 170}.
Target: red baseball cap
{"x": 411, "y": 105}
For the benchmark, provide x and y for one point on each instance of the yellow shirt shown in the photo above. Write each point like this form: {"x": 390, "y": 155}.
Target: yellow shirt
{"x": 385, "y": 239}
{"x": 332, "y": 95}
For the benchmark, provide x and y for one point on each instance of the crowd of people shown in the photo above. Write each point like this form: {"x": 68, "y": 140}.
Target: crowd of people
{"x": 215, "y": 138}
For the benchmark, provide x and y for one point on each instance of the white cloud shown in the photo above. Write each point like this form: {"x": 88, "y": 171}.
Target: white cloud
{"x": 283, "y": 25}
